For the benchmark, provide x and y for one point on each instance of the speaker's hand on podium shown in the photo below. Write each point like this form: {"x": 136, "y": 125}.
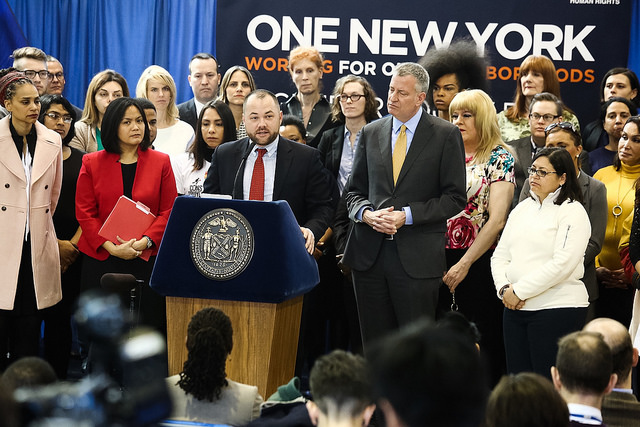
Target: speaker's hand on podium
{"x": 310, "y": 240}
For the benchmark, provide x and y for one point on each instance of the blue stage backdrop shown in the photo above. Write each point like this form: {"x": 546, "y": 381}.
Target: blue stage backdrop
{"x": 11, "y": 35}
{"x": 368, "y": 38}
{"x": 88, "y": 36}
{"x": 583, "y": 37}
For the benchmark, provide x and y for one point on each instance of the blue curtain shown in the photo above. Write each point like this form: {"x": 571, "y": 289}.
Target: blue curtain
{"x": 88, "y": 36}
{"x": 11, "y": 35}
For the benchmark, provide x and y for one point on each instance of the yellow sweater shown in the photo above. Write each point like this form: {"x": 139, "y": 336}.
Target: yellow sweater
{"x": 620, "y": 191}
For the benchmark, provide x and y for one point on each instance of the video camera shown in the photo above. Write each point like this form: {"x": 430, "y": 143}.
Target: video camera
{"x": 126, "y": 386}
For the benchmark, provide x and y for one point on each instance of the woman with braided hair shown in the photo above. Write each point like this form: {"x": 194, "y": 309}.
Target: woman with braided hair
{"x": 201, "y": 392}
{"x": 31, "y": 177}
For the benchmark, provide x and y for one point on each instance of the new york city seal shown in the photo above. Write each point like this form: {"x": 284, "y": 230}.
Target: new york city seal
{"x": 222, "y": 244}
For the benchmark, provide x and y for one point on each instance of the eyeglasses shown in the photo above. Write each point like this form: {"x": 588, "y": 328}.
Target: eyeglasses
{"x": 562, "y": 125}
{"x": 43, "y": 74}
{"x": 59, "y": 75}
{"x": 56, "y": 117}
{"x": 354, "y": 97}
{"x": 545, "y": 117}
{"x": 539, "y": 172}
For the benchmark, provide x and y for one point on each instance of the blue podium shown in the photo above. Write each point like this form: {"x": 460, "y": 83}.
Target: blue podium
{"x": 248, "y": 259}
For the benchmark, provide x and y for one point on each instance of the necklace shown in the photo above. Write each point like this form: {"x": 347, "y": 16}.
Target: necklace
{"x": 617, "y": 209}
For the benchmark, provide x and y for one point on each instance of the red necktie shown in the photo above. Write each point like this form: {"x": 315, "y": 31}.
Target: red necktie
{"x": 256, "y": 192}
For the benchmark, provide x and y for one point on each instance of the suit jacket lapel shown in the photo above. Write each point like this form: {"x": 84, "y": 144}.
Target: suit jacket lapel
{"x": 338, "y": 146}
{"x": 238, "y": 170}
{"x": 284, "y": 158}
{"x": 46, "y": 153}
{"x": 384, "y": 141}
{"x": 10, "y": 158}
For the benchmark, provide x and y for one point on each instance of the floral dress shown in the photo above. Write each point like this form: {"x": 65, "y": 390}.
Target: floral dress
{"x": 463, "y": 228}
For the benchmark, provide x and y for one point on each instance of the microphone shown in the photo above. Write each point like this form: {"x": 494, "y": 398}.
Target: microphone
{"x": 118, "y": 282}
{"x": 235, "y": 191}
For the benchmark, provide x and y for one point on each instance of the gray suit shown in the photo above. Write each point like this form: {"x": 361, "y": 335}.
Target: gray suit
{"x": 594, "y": 194}
{"x": 521, "y": 149}
{"x": 432, "y": 184}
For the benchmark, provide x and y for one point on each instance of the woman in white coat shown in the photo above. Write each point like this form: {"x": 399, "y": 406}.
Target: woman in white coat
{"x": 30, "y": 182}
{"x": 538, "y": 264}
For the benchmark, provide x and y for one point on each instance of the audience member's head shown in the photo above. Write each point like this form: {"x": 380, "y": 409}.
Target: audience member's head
{"x": 28, "y": 372}
{"x": 33, "y": 63}
{"x": 564, "y": 135}
{"x": 614, "y": 113}
{"x": 526, "y": 400}
{"x": 545, "y": 108}
{"x": 350, "y": 85}
{"x": 10, "y": 81}
{"x": 620, "y": 82}
{"x": 151, "y": 115}
{"x": 215, "y": 126}
{"x": 453, "y": 69}
{"x": 293, "y": 129}
{"x": 236, "y": 84}
{"x": 617, "y": 337}
{"x": 209, "y": 342}
{"x": 56, "y": 76}
{"x": 584, "y": 368}
{"x": 104, "y": 87}
{"x": 204, "y": 77}
{"x": 341, "y": 390}
{"x": 158, "y": 86}
{"x": 57, "y": 113}
{"x": 425, "y": 373}
{"x": 458, "y": 322}
{"x": 113, "y": 117}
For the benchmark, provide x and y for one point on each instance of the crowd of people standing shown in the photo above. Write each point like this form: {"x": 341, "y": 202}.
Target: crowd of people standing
{"x": 516, "y": 219}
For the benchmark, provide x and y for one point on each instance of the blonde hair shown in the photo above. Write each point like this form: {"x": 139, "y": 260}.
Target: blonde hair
{"x": 156, "y": 72}
{"x": 478, "y": 103}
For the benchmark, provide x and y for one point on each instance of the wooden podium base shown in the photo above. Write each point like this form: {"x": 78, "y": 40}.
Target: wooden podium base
{"x": 265, "y": 339}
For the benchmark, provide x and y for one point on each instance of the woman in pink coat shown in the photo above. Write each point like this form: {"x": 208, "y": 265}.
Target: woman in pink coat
{"x": 30, "y": 182}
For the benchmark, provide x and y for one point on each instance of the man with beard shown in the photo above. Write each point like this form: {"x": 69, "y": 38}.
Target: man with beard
{"x": 613, "y": 114}
{"x": 266, "y": 167}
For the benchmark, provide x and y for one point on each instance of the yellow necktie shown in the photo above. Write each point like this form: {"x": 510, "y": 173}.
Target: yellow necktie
{"x": 399, "y": 153}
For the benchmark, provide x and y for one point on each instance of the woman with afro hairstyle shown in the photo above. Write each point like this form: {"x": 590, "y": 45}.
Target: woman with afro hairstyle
{"x": 452, "y": 70}
{"x": 201, "y": 392}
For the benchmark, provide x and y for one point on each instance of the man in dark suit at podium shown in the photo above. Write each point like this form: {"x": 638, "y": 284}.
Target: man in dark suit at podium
{"x": 267, "y": 167}
{"x": 408, "y": 178}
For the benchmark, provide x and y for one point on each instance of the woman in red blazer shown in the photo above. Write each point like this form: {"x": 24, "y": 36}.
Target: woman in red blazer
{"x": 125, "y": 167}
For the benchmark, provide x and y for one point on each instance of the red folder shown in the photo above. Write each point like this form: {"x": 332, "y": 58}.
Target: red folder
{"x": 128, "y": 220}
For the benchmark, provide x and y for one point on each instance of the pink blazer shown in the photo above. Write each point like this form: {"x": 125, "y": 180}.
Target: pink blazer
{"x": 100, "y": 186}
{"x": 46, "y": 181}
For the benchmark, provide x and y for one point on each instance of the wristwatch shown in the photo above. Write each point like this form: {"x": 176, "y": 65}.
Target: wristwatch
{"x": 149, "y": 241}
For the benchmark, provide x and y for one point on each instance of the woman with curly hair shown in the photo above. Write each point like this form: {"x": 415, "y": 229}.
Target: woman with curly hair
{"x": 472, "y": 234}
{"x": 452, "y": 70}
{"x": 202, "y": 392}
